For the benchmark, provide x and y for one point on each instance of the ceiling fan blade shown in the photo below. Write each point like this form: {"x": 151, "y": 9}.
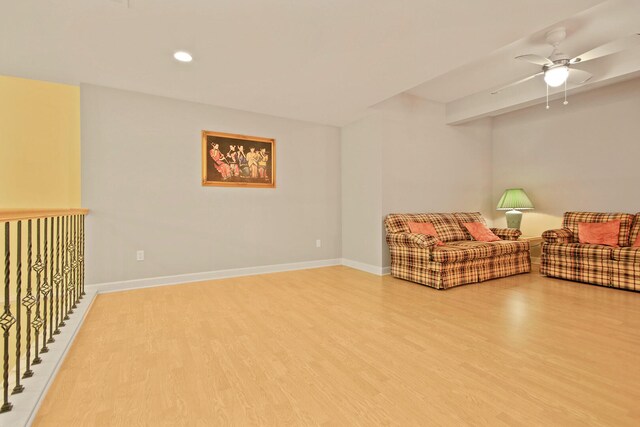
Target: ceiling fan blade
{"x": 608, "y": 48}
{"x": 578, "y": 77}
{"x": 535, "y": 59}
{"x": 517, "y": 83}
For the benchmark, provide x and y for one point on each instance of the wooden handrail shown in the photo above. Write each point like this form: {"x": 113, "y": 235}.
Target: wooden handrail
{"x": 21, "y": 214}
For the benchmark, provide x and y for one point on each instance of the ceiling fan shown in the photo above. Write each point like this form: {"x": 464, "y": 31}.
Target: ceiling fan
{"x": 559, "y": 67}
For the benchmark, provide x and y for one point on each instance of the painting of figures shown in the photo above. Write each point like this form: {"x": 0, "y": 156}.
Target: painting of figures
{"x": 232, "y": 160}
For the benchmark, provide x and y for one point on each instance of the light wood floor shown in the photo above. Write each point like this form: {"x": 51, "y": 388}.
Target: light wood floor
{"x": 335, "y": 346}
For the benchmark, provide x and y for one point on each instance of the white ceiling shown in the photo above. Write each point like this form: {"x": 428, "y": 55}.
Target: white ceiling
{"x": 467, "y": 90}
{"x": 325, "y": 61}
{"x": 584, "y": 31}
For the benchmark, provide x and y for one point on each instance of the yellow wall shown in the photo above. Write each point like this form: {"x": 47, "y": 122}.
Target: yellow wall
{"x": 39, "y": 144}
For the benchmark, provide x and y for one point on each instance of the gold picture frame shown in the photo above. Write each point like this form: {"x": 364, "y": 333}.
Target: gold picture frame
{"x": 232, "y": 160}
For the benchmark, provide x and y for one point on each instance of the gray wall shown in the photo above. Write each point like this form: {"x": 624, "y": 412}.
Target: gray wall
{"x": 583, "y": 156}
{"x": 362, "y": 192}
{"x": 430, "y": 166}
{"x": 141, "y": 177}
{"x": 404, "y": 158}
{"x": 141, "y": 173}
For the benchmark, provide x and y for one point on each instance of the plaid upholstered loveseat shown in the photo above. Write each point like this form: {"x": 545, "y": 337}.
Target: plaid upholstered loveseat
{"x": 564, "y": 257}
{"x": 461, "y": 260}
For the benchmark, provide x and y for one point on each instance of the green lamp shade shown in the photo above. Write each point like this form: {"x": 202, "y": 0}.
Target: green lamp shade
{"x": 514, "y": 198}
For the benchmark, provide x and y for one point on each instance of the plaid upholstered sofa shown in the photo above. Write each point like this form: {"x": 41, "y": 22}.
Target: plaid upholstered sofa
{"x": 416, "y": 257}
{"x": 618, "y": 267}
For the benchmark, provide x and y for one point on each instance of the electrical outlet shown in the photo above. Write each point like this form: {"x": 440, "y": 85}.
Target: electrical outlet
{"x": 318, "y": 243}
{"x": 140, "y": 255}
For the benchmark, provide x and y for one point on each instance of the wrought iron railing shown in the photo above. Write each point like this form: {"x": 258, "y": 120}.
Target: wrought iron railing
{"x": 43, "y": 282}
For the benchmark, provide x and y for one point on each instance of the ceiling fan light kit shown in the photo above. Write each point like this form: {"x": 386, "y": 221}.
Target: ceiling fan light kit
{"x": 556, "y": 76}
{"x": 559, "y": 68}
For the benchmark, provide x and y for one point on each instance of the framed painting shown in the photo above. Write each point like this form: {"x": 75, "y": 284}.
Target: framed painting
{"x": 231, "y": 160}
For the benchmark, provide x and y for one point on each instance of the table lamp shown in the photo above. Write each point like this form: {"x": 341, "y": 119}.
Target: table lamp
{"x": 513, "y": 201}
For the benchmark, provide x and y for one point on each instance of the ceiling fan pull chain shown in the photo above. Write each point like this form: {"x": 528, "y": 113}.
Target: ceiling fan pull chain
{"x": 565, "y": 93}
{"x": 547, "y": 95}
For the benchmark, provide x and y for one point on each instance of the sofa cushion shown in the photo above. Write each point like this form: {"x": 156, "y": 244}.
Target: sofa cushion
{"x": 446, "y": 225}
{"x": 399, "y": 223}
{"x": 628, "y": 255}
{"x": 635, "y": 229}
{"x": 480, "y": 232}
{"x": 468, "y": 250}
{"x": 599, "y": 233}
{"x": 572, "y": 219}
{"x": 463, "y": 217}
{"x": 467, "y": 217}
{"x": 425, "y": 228}
{"x": 577, "y": 251}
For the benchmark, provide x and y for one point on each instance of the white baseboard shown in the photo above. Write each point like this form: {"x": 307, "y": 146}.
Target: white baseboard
{"x": 373, "y": 269}
{"x": 210, "y": 275}
{"x": 235, "y": 272}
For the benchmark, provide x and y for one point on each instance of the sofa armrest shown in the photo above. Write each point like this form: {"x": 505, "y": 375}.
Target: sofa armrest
{"x": 413, "y": 240}
{"x": 507, "y": 233}
{"x": 561, "y": 235}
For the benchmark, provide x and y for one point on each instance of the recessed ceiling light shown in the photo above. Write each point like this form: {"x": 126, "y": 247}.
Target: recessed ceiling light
{"x": 183, "y": 56}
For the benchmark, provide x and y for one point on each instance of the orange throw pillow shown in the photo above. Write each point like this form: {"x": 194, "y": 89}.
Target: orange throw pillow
{"x": 480, "y": 232}
{"x": 425, "y": 228}
{"x": 637, "y": 243}
{"x": 599, "y": 233}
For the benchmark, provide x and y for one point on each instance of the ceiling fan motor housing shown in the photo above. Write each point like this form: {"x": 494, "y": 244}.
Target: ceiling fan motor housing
{"x": 559, "y": 60}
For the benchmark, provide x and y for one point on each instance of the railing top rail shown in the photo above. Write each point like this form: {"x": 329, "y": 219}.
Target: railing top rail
{"x": 21, "y": 214}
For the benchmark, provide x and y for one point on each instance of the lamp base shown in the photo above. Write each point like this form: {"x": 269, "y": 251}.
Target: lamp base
{"x": 514, "y": 218}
